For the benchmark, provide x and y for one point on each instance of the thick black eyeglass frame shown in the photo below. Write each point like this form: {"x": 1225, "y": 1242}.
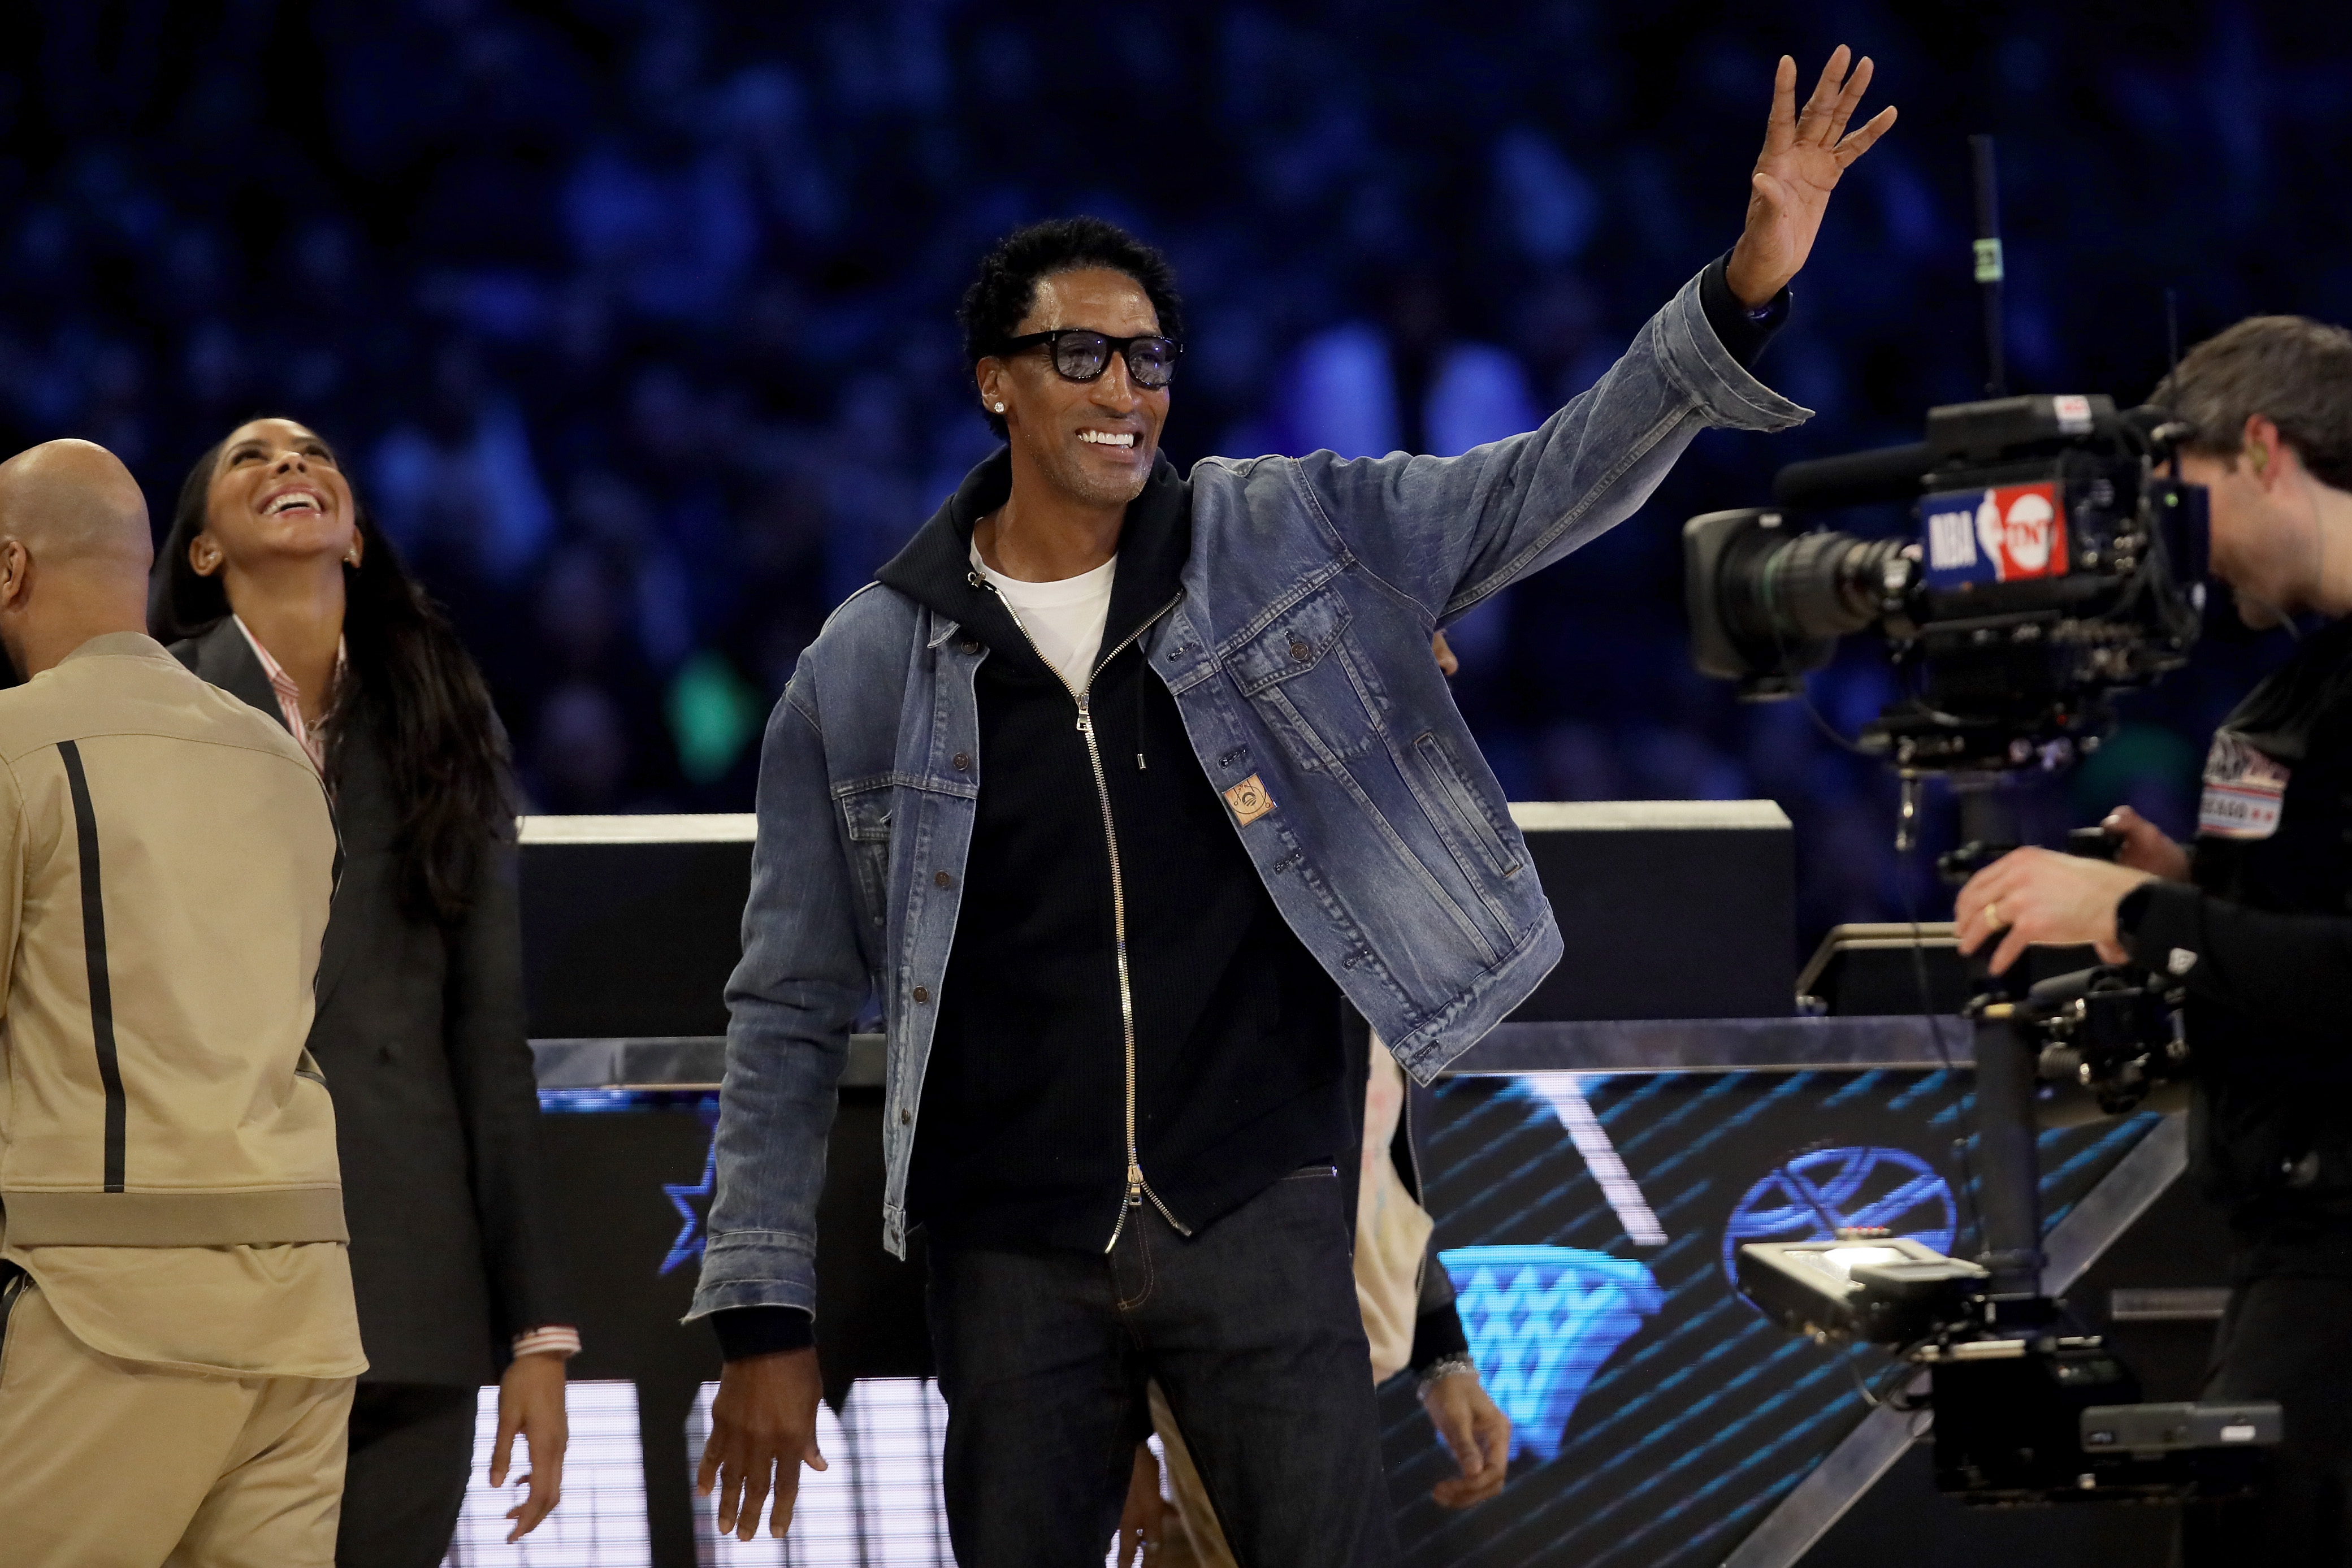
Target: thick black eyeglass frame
{"x": 1124, "y": 347}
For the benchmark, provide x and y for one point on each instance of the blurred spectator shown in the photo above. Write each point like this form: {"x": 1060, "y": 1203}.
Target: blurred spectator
{"x": 638, "y": 308}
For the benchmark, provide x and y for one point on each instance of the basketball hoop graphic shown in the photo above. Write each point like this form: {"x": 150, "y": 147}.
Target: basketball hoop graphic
{"x": 1812, "y": 1196}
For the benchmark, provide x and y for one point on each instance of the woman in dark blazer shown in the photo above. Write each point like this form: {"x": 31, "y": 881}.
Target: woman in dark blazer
{"x": 274, "y": 587}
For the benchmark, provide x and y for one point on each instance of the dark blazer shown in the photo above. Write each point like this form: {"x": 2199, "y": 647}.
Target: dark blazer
{"x": 420, "y": 1032}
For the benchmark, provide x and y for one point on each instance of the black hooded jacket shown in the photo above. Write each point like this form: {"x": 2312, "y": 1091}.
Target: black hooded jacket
{"x": 1241, "y": 1075}
{"x": 2264, "y": 947}
{"x": 1244, "y": 1070}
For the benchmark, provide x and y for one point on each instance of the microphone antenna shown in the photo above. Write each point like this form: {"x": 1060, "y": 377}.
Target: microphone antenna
{"x": 1989, "y": 261}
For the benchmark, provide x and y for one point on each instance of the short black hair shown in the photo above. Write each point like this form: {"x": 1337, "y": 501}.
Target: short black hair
{"x": 2293, "y": 371}
{"x": 1009, "y": 274}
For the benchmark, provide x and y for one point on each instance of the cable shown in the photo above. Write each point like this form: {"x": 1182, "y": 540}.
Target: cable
{"x": 1805, "y": 698}
{"x": 1804, "y": 695}
{"x": 1860, "y": 1386}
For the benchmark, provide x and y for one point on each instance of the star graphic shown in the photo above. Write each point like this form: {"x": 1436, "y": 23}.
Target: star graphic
{"x": 682, "y": 1195}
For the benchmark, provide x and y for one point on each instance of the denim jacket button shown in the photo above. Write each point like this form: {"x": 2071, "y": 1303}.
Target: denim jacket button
{"x": 906, "y": 1118}
{"x": 968, "y": 645}
{"x": 941, "y": 879}
{"x": 1299, "y": 650}
{"x": 922, "y": 994}
{"x": 962, "y": 762}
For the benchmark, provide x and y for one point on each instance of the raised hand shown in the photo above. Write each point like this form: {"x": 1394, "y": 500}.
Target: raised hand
{"x": 1804, "y": 155}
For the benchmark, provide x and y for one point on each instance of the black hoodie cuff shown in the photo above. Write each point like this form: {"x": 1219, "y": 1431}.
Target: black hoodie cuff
{"x": 2156, "y": 919}
{"x": 746, "y": 1331}
{"x": 1743, "y": 332}
{"x": 1437, "y": 1334}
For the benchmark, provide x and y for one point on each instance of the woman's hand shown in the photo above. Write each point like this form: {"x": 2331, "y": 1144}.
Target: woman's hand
{"x": 530, "y": 1401}
{"x": 1803, "y": 157}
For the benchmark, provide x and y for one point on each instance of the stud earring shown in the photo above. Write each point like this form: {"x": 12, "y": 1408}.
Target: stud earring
{"x": 1000, "y": 408}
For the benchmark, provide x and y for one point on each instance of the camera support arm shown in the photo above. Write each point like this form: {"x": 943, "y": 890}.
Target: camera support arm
{"x": 2009, "y": 1178}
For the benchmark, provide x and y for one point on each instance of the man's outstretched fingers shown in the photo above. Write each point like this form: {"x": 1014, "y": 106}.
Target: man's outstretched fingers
{"x": 1855, "y": 146}
{"x": 1780, "y": 128}
{"x": 722, "y": 1473}
{"x": 755, "y": 1498}
{"x": 706, "y": 1475}
{"x": 1825, "y": 90}
{"x": 1843, "y": 111}
{"x": 788, "y": 1487}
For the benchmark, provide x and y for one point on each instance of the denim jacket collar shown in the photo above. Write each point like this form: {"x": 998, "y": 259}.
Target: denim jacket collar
{"x": 935, "y": 568}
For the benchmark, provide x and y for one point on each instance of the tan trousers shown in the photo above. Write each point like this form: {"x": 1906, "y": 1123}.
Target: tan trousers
{"x": 1198, "y": 1541}
{"x": 121, "y": 1464}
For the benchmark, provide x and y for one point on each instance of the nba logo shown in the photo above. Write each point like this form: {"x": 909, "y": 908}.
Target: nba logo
{"x": 2023, "y": 531}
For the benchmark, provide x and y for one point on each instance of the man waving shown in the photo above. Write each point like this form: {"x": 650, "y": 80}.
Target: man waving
{"x": 1130, "y": 793}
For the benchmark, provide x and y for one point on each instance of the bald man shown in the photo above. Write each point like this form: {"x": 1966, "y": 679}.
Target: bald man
{"x": 177, "y": 1338}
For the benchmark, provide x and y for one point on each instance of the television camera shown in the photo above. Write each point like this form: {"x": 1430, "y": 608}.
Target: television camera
{"x": 2055, "y": 560}
{"x": 2053, "y": 564}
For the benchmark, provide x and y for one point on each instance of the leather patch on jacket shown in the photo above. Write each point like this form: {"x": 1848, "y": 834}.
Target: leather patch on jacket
{"x": 1249, "y": 800}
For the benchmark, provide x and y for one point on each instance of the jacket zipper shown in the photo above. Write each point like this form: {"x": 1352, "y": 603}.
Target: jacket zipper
{"x": 1138, "y": 1189}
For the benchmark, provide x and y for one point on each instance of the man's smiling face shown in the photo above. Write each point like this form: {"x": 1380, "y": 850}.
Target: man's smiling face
{"x": 1094, "y": 440}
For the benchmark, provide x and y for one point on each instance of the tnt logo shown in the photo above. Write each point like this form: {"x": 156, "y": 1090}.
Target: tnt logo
{"x": 2005, "y": 534}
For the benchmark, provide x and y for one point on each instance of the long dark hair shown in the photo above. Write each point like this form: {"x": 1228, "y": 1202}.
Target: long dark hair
{"x": 408, "y": 680}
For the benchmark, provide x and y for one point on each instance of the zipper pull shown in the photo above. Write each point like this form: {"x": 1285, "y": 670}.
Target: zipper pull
{"x": 1134, "y": 1185}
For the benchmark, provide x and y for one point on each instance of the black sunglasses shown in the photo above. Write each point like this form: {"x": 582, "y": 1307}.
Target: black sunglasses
{"x": 1083, "y": 355}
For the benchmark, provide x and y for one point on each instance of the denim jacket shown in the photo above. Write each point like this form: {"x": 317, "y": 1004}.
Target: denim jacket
{"x": 1298, "y": 657}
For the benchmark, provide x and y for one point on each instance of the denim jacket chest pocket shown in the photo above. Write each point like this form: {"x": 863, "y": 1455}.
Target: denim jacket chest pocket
{"x": 867, "y": 813}
{"x": 1310, "y": 680}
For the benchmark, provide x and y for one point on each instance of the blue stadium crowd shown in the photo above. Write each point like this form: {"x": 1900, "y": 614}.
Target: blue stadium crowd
{"x": 634, "y": 318}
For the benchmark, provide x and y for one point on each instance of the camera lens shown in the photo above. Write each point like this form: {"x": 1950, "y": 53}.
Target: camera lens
{"x": 1793, "y": 588}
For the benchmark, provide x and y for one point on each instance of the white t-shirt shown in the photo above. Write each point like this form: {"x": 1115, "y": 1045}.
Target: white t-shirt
{"x": 1064, "y": 619}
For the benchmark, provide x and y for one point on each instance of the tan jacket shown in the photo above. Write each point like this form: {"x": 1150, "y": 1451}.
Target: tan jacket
{"x": 167, "y": 1149}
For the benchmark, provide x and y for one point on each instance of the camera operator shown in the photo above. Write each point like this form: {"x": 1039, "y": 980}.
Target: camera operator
{"x": 2252, "y": 921}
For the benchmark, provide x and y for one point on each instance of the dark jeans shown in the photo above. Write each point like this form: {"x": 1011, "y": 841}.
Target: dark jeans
{"x": 412, "y": 1448}
{"x": 1251, "y": 1328}
{"x": 2289, "y": 1339}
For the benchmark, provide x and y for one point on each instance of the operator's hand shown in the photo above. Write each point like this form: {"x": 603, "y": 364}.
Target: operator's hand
{"x": 1143, "y": 1519}
{"x": 2145, "y": 847}
{"x": 2039, "y": 896}
{"x": 1803, "y": 156}
{"x": 530, "y": 1401}
{"x": 763, "y": 1430}
{"x": 1478, "y": 1432}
